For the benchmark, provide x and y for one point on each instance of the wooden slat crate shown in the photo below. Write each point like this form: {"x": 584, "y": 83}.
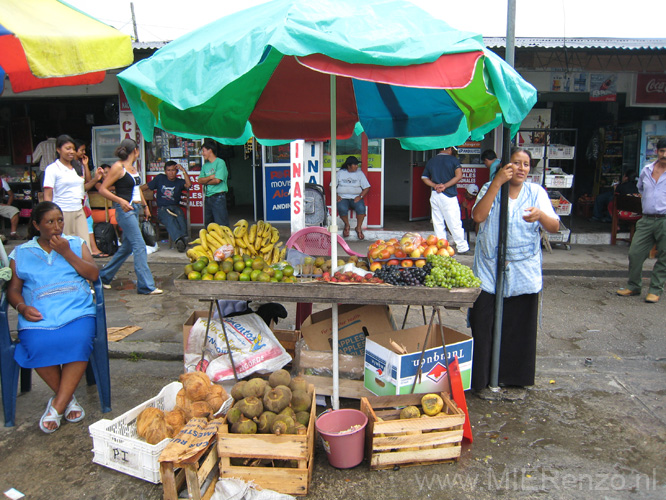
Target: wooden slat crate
{"x": 194, "y": 471}
{"x": 416, "y": 441}
{"x": 254, "y": 447}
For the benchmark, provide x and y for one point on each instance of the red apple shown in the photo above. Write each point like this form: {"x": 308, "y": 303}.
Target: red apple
{"x": 407, "y": 263}
{"x": 399, "y": 254}
{"x": 416, "y": 253}
{"x": 431, "y": 240}
{"x": 393, "y": 262}
{"x": 420, "y": 263}
{"x": 442, "y": 243}
{"x": 375, "y": 265}
{"x": 443, "y": 251}
{"x": 431, "y": 250}
{"x": 451, "y": 251}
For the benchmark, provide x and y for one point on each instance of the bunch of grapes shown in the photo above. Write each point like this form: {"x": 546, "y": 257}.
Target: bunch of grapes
{"x": 447, "y": 272}
{"x": 403, "y": 276}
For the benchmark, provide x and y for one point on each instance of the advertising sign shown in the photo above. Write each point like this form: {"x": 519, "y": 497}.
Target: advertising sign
{"x": 277, "y": 198}
{"x": 603, "y": 87}
{"x": 650, "y": 89}
{"x": 314, "y": 162}
{"x": 297, "y": 186}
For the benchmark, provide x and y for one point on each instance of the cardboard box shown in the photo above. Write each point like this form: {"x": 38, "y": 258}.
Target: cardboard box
{"x": 354, "y": 325}
{"x": 388, "y": 373}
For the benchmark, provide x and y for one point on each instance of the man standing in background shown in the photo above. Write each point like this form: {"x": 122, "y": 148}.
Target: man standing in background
{"x": 442, "y": 173}
{"x": 214, "y": 180}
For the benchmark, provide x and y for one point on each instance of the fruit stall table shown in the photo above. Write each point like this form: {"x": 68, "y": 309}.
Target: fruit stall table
{"x": 330, "y": 293}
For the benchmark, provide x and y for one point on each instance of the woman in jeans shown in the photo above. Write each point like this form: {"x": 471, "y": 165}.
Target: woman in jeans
{"x": 127, "y": 201}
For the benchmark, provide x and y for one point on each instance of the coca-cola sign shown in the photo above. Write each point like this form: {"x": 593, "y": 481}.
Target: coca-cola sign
{"x": 651, "y": 89}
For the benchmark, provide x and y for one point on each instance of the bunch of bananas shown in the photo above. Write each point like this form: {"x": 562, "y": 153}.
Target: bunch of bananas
{"x": 260, "y": 239}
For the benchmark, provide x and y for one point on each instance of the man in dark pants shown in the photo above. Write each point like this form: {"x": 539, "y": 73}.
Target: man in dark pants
{"x": 168, "y": 191}
{"x": 213, "y": 177}
{"x": 650, "y": 230}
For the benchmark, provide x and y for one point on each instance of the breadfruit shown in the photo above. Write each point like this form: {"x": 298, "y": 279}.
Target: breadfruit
{"x": 300, "y": 401}
{"x": 279, "y": 377}
{"x": 282, "y": 424}
{"x": 254, "y": 388}
{"x": 303, "y": 417}
{"x": 244, "y": 426}
{"x": 432, "y": 404}
{"x": 251, "y": 407}
{"x": 289, "y": 412}
{"x": 298, "y": 383}
{"x": 285, "y": 390}
{"x": 197, "y": 385}
{"x": 299, "y": 429}
{"x": 202, "y": 409}
{"x": 409, "y": 412}
{"x": 237, "y": 390}
{"x": 234, "y": 415}
{"x": 266, "y": 419}
{"x": 276, "y": 400}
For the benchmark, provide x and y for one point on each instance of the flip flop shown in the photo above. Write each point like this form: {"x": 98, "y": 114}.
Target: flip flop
{"x": 74, "y": 406}
{"x": 359, "y": 233}
{"x": 50, "y": 415}
{"x": 100, "y": 255}
{"x": 345, "y": 232}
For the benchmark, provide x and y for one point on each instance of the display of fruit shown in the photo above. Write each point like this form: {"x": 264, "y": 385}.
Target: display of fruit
{"x": 279, "y": 405}
{"x": 241, "y": 268}
{"x": 447, "y": 272}
{"x": 403, "y": 276}
{"x": 348, "y": 277}
{"x": 258, "y": 240}
{"x": 410, "y": 250}
{"x": 199, "y": 397}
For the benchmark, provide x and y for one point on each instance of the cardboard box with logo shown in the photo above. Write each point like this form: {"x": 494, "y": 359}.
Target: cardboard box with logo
{"x": 388, "y": 373}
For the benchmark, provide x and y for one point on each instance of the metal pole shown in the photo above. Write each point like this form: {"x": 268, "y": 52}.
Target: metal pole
{"x": 136, "y": 33}
{"x": 335, "y": 398}
{"x": 504, "y": 217}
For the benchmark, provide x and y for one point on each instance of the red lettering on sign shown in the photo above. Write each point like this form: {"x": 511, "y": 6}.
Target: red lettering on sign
{"x": 297, "y": 169}
{"x": 297, "y": 190}
{"x": 297, "y": 207}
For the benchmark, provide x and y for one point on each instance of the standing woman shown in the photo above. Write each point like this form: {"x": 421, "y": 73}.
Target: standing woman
{"x": 64, "y": 186}
{"x": 90, "y": 181}
{"x": 529, "y": 210}
{"x": 127, "y": 201}
{"x": 352, "y": 187}
{"x": 56, "y": 312}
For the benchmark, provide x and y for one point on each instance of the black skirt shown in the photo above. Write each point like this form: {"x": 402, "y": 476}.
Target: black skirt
{"x": 518, "y": 347}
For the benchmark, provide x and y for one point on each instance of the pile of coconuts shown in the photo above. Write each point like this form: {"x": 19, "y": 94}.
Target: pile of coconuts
{"x": 278, "y": 406}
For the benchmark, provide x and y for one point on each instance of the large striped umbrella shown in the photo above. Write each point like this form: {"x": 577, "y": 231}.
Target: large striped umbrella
{"x": 47, "y": 43}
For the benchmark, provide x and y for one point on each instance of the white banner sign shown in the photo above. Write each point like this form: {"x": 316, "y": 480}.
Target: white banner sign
{"x": 297, "y": 155}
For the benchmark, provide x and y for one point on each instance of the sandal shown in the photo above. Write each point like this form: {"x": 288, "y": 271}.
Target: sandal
{"x": 74, "y": 406}
{"x": 345, "y": 231}
{"x": 50, "y": 415}
{"x": 359, "y": 233}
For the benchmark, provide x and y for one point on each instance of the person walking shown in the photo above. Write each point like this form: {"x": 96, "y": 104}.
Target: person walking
{"x": 127, "y": 201}
{"x": 168, "y": 189}
{"x": 442, "y": 173}
{"x": 650, "y": 230}
{"x": 213, "y": 177}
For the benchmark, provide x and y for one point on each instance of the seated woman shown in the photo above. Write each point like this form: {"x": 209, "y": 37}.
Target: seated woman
{"x": 56, "y": 322}
{"x": 352, "y": 186}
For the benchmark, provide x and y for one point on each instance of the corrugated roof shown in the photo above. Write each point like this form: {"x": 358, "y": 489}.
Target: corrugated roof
{"x": 148, "y": 45}
{"x": 581, "y": 43}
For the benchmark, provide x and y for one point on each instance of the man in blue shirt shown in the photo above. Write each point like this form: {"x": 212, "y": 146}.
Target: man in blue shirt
{"x": 168, "y": 191}
{"x": 650, "y": 230}
{"x": 490, "y": 160}
{"x": 442, "y": 173}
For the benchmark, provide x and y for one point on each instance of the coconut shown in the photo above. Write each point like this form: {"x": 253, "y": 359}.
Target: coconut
{"x": 201, "y": 409}
{"x": 279, "y": 377}
{"x": 197, "y": 385}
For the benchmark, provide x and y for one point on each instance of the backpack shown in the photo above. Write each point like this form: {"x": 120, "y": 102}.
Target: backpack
{"x": 106, "y": 238}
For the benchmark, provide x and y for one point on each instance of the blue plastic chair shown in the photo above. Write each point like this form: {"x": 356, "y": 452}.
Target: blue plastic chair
{"x": 97, "y": 371}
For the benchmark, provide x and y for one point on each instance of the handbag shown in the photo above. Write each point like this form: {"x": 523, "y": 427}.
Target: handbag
{"x": 149, "y": 233}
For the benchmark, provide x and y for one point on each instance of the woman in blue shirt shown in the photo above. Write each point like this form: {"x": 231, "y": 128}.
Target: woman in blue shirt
{"x": 50, "y": 291}
{"x": 529, "y": 211}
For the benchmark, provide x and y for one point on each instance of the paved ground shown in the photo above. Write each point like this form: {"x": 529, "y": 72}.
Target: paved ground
{"x": 583, "y": 431}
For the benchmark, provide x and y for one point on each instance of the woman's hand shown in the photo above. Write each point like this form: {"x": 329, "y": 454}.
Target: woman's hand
{"x": 59, "y": 244}
{"x": 31, "y": 313}
{"x": 85, "y": 161}
{"x": 99, "y": 174}
{"x": 532, "y": 214}
{"x": 339, "y": 198}
{"x": 126, "y": 206}
{"x": 146, "y": 211}
{"x": 504, "y": 174}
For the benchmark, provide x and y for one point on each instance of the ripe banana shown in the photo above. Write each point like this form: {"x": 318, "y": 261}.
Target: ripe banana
{"x": 275, "y": 235}
{"x": 252, "y": 234}
{"x": 202, "y": 237}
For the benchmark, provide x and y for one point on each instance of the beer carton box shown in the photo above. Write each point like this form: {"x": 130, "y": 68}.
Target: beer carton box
{"x": 388, "y": 373}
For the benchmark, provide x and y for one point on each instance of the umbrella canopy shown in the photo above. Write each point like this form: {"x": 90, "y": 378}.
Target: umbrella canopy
{"x": 47, "y": 43}
{"x": 265, "y": 72}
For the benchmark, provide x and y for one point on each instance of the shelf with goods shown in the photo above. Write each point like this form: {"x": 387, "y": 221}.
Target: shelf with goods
{"x": 610, "y": 161}
{"x": 22, "y": 181}
{"x": 553, "y": 153}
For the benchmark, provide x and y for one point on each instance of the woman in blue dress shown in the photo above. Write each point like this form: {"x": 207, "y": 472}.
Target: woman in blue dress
{"x": 50, "y": 291}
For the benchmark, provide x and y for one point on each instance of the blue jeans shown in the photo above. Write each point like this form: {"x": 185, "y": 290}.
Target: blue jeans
{"x": 132, "y": 244}
{"x": 175, "y": 226}
{"x": 215, "y": 209}
{"x": 347, "y": 204}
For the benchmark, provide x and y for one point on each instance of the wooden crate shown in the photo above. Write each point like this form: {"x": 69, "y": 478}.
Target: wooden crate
{"x": 287, "y": 339}
{"x": 194, "y": 471}
{"x": 288, "y": 480}
{"x": 416, "y": 441}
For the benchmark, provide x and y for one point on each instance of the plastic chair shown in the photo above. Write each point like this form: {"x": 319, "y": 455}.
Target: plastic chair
{"x": 626, "y": 208}
{"x": 98, "y": 365}
{"x": 316, "y": 241}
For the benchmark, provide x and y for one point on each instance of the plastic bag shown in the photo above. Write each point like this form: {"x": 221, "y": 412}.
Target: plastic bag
{"x": 149, "y": 233}
{"x": 253, "y": 345}
{"x": 223, "y": 252}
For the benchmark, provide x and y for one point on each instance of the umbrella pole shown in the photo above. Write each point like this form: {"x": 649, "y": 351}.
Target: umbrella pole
{"x": 335, "y": 398}
{"x": 504, "y": 219}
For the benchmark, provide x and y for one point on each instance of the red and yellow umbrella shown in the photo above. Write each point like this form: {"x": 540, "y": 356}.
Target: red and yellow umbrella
{"x": 48, "y": 43}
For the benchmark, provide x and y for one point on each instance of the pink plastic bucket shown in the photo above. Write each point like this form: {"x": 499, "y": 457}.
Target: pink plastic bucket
{"x": 343, "y": 443}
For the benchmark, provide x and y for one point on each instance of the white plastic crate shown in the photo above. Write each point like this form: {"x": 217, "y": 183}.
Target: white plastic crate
{"x": 535, "y": 178}
{"x": 561, "y": 152}
{"x": 117, "y": 446}
{"x": 536, "y": 150}
{"x": 559, "y": 181}
{"x": 561, "y": 205}
{"x": 562, "y": 236}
